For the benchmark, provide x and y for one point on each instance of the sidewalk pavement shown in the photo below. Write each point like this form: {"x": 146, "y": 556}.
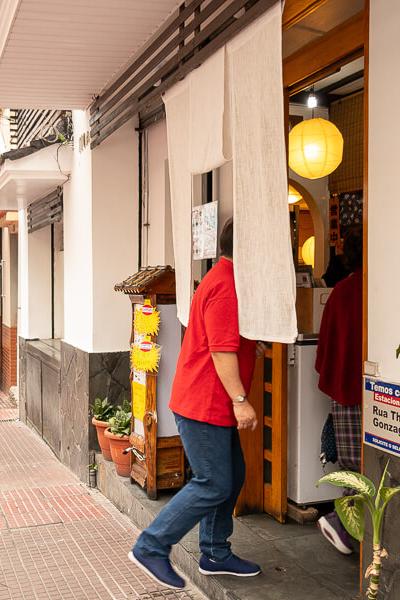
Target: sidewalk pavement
{"x": 59, "y": 539}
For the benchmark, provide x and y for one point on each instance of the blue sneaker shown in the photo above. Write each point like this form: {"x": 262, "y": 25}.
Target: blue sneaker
{"x": 231, "y": 566}
{"x": 159, "y": 569}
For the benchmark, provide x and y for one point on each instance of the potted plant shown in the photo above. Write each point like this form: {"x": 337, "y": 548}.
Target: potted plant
{"x": 118, "y": 436}
{"x": 352, "y": 511}
{"x": 102, "y": 411}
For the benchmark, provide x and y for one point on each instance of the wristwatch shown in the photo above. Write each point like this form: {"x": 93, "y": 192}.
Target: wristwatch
{"x": 239, "y": 399}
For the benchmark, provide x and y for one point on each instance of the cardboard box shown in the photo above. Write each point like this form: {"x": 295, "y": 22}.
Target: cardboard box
{"x": 310, "y": 304}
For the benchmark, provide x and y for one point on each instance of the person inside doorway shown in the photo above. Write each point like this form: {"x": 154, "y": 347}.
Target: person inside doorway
{"x": 339, "y": 364}
{"x": 336, "y": 270}
{"x": 209, "y": 401}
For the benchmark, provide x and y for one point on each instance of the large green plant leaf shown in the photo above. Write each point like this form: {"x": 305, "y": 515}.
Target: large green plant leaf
{"x": 378, "y": 498}
{"x": 398, "y": 352}
{"x": 350, "y": 510}
{"x": 349, "y": 479}
{"x": 387, "y": 493}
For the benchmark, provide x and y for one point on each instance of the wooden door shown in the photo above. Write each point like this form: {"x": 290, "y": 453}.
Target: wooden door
{"x": 275, "y": 431}
{"x": 265, "y": 449}
{"x": 251, "y": 499}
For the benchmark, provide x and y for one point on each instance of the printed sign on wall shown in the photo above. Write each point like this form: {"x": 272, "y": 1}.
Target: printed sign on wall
{"x": 382, "y": 415}
{"x": 205, "y": 230}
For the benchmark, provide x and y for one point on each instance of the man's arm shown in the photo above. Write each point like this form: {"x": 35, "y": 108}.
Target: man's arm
{"x": 227, "y": 367}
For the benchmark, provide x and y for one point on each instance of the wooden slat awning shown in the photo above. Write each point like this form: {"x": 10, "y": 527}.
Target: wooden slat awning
{"x": 149, "y": 280}
{"x": 199, "y": 29}
{"x": 45, "y": 211}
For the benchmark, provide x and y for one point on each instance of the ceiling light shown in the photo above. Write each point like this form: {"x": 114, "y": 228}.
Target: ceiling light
{"x": 294, "y": 196}
{"x": 308, "y": 251}
{"x": 315, "y": 148}
{"x": 312, "y": 100}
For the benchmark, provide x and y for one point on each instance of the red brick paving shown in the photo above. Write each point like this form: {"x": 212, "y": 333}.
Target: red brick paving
{"x": 58, "y": 539}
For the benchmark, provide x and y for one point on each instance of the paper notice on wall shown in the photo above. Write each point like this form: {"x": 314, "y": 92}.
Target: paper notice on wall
{"x": 139, "y": 394}
{"x": 205, "y": 230}
{"x": 382, "y": 415}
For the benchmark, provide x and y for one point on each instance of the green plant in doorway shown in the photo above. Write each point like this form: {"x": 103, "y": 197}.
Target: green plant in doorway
{"x": 351, "y": 511}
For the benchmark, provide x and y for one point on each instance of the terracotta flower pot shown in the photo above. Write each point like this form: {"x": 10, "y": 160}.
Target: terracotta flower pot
{"x": 104, "y": 442}
{"x": 121, "y": 461}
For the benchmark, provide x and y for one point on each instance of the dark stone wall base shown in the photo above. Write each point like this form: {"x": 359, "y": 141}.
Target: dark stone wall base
{"x": 22, "y": 378}
{"x": 84, "y": 376}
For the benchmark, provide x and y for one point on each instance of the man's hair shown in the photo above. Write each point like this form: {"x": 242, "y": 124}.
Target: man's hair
{"x": 353, "y": 247}
{"x": 226, "y": 239}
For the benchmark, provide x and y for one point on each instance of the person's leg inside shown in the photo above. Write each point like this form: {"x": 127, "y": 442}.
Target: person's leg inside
{"x": 347, "y": 425}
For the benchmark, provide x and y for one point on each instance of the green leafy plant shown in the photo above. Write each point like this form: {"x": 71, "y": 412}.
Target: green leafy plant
{"x": 351, "y": 511}
{"x": 126, "y": 405}
{"x": 102, "y": 409}
{"x": 398, "y": 351}
{"x": 120, "y": 423}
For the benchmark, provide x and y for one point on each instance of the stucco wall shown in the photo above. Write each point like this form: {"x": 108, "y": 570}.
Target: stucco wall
{"x": 78, "y": 259}
{"x": 115, "y": 236}
{"x": 100, "y": 239}
{"x": 34, "y": 289}
{"x": 10, "y": 277}
{"x": 157, "y": 245}
{"x": 383, "y": 202}
{"x": 384, "y": 249}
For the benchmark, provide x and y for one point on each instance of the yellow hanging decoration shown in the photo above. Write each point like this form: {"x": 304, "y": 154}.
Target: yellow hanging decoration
{"x": 147, "y": 319}
{"x": 145, "y": 356}
{"x": 315, "y": 148}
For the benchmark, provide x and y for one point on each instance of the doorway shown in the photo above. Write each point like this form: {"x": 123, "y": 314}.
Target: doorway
{"x": 323, "y": 55}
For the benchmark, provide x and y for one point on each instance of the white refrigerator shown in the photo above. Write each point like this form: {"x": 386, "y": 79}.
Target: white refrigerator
{"x": 308, "y": 409}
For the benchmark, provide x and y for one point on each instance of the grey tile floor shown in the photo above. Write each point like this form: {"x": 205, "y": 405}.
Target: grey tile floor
{"x": 297, "y": 562}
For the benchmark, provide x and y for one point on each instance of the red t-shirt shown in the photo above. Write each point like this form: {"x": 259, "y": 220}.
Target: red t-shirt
{"x": 197, "y": 392}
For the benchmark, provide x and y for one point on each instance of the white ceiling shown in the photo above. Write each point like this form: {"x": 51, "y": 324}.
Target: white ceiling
{"x": 27, "y": 179}
{"x": 59, "y": 53}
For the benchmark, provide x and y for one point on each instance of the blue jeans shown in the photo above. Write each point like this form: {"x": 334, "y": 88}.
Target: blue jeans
{"x": 216, "y": 459}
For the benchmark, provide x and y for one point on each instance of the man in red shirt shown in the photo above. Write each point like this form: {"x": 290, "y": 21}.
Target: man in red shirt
{"x": 209, "y": 400}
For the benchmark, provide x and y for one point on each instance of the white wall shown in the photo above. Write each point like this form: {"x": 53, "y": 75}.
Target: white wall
{"x": 383, "y": 189}
{"x": 78, "y": 259}
{"x": 34, "y": 289}
{"x": 157, "y": 235}
{"x": 115, "y": 236}
{"x": 10, "y": 277}
{"x": 100, "y": 239}
{"x": 59, "y": 280}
